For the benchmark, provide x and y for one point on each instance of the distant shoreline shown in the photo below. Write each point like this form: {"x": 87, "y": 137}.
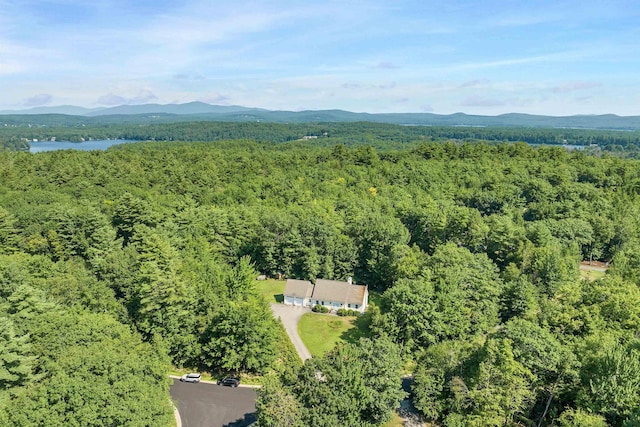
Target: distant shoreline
{"x": 100, "y": 145}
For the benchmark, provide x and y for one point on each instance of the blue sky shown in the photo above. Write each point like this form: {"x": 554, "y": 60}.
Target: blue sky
{"x": 478, "y": 57}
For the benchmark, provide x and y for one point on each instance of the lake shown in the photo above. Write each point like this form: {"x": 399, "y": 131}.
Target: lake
{"x": 102, "y": 144}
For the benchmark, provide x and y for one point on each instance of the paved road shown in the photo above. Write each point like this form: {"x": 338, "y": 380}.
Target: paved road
{"x": 290, "y": 315}
{"x": 210, "y": 405}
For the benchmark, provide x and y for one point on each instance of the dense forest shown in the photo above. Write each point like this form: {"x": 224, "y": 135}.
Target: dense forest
{"x": 379, "y": 135}
{"x": 116, "y": 265}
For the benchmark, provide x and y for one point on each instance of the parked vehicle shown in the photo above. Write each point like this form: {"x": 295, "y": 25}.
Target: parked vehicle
{"x": 229, "y": 382}
{"x": 191, "y": 378}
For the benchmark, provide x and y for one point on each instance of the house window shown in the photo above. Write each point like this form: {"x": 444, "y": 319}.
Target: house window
{"x": 317, "y": 302}
{"x": 322, "y": 302}
{"x": 348, "y": 305}
{"x": 357, "y": 306}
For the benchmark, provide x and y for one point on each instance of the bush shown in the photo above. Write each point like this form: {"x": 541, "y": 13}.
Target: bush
{"x": 320, "y": 308}
{"x": 348, "y": 312}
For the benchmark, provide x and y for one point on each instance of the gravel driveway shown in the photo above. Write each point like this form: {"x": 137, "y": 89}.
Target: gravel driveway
{"x": 290, "y": 315}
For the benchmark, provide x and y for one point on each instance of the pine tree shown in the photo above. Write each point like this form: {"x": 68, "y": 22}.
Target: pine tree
{"x": 15, "y": 359}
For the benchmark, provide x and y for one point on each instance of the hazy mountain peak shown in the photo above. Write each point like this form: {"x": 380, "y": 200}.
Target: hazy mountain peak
{"x": 195, "y": 107}
{"x": 201, "y": 111}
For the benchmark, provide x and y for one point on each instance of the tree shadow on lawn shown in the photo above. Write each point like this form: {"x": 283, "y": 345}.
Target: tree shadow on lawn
{"x": 360, "y": 329}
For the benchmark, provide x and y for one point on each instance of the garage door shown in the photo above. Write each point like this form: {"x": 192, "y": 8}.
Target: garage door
{"x": 298, "y": 301}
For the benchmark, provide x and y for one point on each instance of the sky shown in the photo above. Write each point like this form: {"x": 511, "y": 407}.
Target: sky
{"x": 474, "y": 56}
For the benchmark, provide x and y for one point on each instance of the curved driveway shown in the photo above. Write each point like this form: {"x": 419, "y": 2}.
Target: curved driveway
{"x": 290, "y": 315}
{"x": 211, "y": 405}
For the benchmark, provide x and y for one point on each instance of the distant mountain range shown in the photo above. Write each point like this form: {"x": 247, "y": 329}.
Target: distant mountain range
{"x": 199, "y": 111}
{"x": 178, "y": 109}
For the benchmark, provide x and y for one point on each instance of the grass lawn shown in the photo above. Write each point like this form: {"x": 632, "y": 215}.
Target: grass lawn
{"x": 592, "y": 275}
{"x": 271, "y": 289}
{"x": 321, "y": 332}
{"x": 395, "y": 421}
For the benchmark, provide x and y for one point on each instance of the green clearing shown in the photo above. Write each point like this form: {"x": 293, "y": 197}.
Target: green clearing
{"x": 321, "y": 332}
{"x": 591, "y": 275}
{"x": 272, "y": 290}
{"x": 395, "y": 421}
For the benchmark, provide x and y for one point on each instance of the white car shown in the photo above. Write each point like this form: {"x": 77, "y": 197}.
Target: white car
{"x": 191, "y": 378}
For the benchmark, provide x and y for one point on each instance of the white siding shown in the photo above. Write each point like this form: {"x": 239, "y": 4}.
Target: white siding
{"x": 331, "y": 305}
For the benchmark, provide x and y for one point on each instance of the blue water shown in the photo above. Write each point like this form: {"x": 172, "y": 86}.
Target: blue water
{"x": 39, "y": 147}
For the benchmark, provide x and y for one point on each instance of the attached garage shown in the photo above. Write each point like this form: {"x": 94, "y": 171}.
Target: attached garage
{"x": 298, "y": 292}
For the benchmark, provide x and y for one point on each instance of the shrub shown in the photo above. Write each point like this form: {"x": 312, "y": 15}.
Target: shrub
{"x": 348, "y": 312}
{"x": 320, "y": 308}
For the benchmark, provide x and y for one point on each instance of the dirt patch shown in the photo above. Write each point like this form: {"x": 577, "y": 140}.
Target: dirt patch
{"x": 594, "y": 266}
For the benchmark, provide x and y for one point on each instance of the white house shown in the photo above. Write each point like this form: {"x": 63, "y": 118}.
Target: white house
{"x": 333, "y": 294}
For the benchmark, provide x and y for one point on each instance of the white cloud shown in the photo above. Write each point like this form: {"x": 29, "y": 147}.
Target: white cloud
{"x": 207, "y": 23}
{"x": 216, "y": 99}
{"x": 475, "y": 83}
{"x": 574, "y": 86}
{"x": 481, "y": 101}
{"x": 10, "y": 67}
{"x": 370, "y": 55}
{"x": 143, "y": 96}
{"x": 385, "y": 65}
{"x": 111, "y": 99}
{"x": 16, "y": 57}
{"x": 547, "y": 58}
{"x": 38, "y": 100}
{"x": 530, "y": 18}
{"x": 188, "y": 76}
